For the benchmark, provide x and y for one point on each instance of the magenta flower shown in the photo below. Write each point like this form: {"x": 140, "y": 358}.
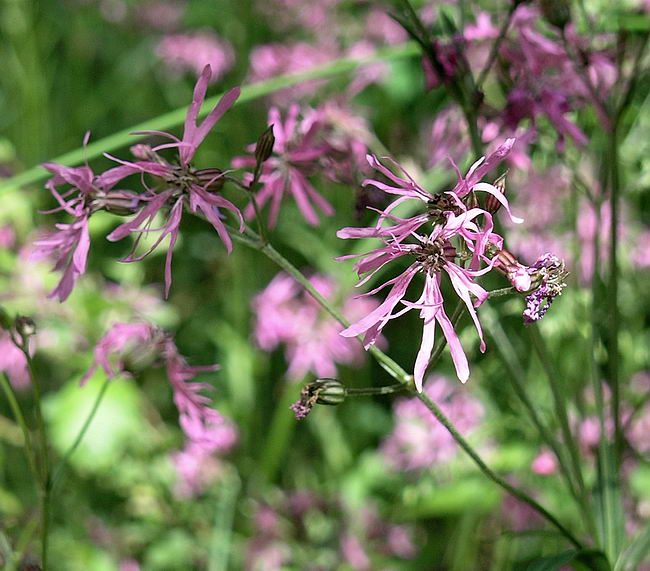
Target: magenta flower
{"x": 432, "y": 254}
{"x": 193, "y": 51}
{"x": 288, "y": 315}
{"x": 183, "y": 186}
{"x": 70, "y": 244}
{"x": 129, "y": 344}
{"x": 297, "y": 150}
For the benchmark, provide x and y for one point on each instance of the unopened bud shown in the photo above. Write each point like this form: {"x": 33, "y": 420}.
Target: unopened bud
{"x": 322, "y": 391}
{"x": 211, "y": 179}
{"x": 264, "y": 146}
{"x": 120, "y": 202}
{"x": 492, "y": 205}
{"x": 556, "y": 12}
{"x": 25, "y": 326}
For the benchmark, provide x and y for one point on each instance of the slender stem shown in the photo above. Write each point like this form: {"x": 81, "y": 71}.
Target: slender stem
{"x": 60, "y": 467}
{"x": 370, "y": 391}
{"x": 560, "y": 405}
{"x": 43, "y": 455}
{"x": 494, "y": 51}
{"x": 517, "y": 379}
{"x": 20, "y": 419}
{"x": 612, "y": 287}
{"x": 400, "y": 374}
{"x": 252, "y": 190}
{"x": 522, "y": 496}
{"x": 176, "y": 117}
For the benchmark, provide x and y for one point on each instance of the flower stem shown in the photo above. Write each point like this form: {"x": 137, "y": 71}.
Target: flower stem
{"x": 403, "y": 377}
{"x": 20, "y": 419}
{"x": 42, "y": 454}
{"x": 370, "y": 391}
{"x": 58, "y": 470}
{"x": 522, "y": 496}
{"x": 494, "y": 51}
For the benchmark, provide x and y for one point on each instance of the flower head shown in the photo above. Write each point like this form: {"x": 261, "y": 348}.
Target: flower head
{"x": 458, "y": 231}
{"x": 182, "y": 185}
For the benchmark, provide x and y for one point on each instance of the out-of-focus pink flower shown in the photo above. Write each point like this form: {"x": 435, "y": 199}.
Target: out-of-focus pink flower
{"x": 481, "y": 29}
{"x": 7, "y": 236}
{"x": 13, "y": 362}
{"x": 193, "y": 51}
{"x": 129, "y": 565}
{"x": 382, "y": 29}
{"x": 122, "y": 340}
{"x": 286, "y": 314}
{"x": 418, "y": 440}
{"x": 545, "y": 463}
{"x": 207, "y": 431}
{"x": 641, "y": 250}
{"x": 185, "y": 186}
{"x": 269, "y": 60}
{"x": 284, "y": 15}
{"x": 353, "y": 553}
{"x": 296, "y": 153}
{"x": 161, "y": 15}
{"x": 196, "y": 470}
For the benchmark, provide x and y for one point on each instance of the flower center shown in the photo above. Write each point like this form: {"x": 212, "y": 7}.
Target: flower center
{"x": 435, "y": 254}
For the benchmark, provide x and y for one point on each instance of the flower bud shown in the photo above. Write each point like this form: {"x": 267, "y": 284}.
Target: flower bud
{"x": 25, "y": 326}
{"x": 264, "y": 146}
{"x": 211, "y": 179}
{"x": 321, "y": 391}
{"x": 120, "y": 202}
{"x": 556, "y": 12}
{"x": 492, "y": 205}
{"x": 328, "y": 391}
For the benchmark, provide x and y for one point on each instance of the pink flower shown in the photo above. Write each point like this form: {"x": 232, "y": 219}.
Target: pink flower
{"x": 13, "y": 362}
{"x": 297, "y": 150}
{"x": 184, "y": 185}
{"x": 433, "y": 254}
{"x": 126, "y": 343}
{"x": 269, "y": 60}
{"x": 193, "y": 51}
{"x": 545, "y": 463}
{"x": 418, "y": 440}
{"x": 70, "y": 244}
{"x": 286, "y": 314}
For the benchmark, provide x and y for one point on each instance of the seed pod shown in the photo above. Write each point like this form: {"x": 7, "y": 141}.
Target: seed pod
{"x": 25, "y": 326}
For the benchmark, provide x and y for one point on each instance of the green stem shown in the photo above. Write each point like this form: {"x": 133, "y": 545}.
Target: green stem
{"x": 400, "y": 374}
{"x": 517, "y": 379}
{"x": 58, "y": 470}
{"x": 522, "y": 496}
{"x": 370, "y": 391}
{"x": 559, "y": 402}
{"x": 20, "y": 419}
{"x": 494, "y": 51}
{"x": 612, "y": 289}
{"x": 43, "y": 456}
{"x": 176, "y": 117}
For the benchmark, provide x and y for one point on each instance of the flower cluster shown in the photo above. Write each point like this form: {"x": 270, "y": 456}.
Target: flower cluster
{"x": 452, "y": 229}
{"x": 178, "y": 186}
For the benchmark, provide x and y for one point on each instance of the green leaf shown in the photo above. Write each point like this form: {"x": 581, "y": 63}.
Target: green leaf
{"x": 636, "y": 552}
{"x": 552, "y": 562}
